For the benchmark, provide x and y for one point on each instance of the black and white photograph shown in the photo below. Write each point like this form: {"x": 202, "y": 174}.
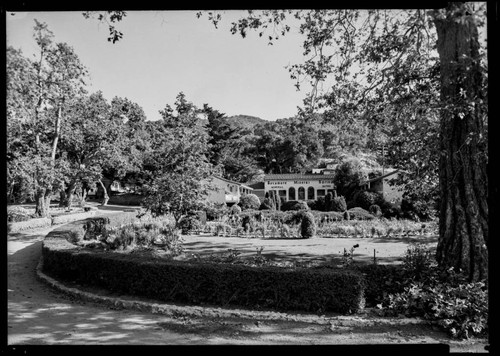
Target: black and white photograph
{"x": 249, "y": 177}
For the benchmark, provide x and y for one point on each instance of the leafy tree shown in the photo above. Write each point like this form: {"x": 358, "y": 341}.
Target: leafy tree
{"x": 385, "y": 55}
{"x": 179, "y": 162}
{"x": 38, "y": 103}
{"x": 348, "y": 176}
{"x": 249, "y": 202}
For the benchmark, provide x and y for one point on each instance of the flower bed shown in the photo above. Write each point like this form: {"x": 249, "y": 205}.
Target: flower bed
{"x": 197, "y": 283}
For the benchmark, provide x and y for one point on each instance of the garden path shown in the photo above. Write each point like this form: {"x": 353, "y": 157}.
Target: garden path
{"x": 38, "y": 315}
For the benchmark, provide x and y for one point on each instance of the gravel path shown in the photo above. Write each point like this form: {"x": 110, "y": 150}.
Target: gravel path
{"x": 39, "y": 315}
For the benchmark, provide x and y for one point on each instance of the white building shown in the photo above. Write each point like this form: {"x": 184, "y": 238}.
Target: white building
{"x": 299, "y": 186}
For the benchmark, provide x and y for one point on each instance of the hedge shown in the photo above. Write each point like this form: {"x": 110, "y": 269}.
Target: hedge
{"x": 29, "y": 224}
{"x": 63, "y": 219}
{"x": 313, "y": 290}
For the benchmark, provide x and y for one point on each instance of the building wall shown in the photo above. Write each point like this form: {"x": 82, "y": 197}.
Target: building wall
{"x": 307, "y": 188}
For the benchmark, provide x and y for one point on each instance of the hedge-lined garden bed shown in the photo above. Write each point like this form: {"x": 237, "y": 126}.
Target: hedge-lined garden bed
{"x": 313, "y": 290}
{"x": 46, "y": 222}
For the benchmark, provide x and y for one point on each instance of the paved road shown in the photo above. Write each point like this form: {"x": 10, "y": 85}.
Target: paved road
{"x": 39, "y": 315}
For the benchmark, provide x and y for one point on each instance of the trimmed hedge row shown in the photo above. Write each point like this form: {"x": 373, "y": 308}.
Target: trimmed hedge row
{"x": 313, "y": 290}
{"x": 46, "y": 222}
{"x": 29, "y": 224}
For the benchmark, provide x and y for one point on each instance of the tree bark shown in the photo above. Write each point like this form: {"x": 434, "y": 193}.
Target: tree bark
{"x": 463, "y": 229}
{"x": 42, "y": 200}
{"x": 106, "y": 196}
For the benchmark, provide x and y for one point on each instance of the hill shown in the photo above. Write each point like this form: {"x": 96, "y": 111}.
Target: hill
{"x": 245, "y": 121}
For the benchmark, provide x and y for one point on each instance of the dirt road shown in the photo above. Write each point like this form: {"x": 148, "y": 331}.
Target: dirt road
{"x": 39, "y": 315}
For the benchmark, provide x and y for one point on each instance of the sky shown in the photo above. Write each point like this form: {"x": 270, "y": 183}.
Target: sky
{"x": 165, "y": 52}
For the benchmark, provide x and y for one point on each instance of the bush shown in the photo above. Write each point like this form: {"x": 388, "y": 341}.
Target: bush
{"x": 267, "y": 204}
{"x": 338, "y": 204}
{"x": 312, "y": 205}
{"x": 359, "y": 214}
{"x": 190, "y": 223}
{"x": 249, "y": 202}
{"x": 375, "y": 210}
{"x": 364, "y": 199}
{"x": 278, "y": 288}
{"x": 441, "y": 296}
{"x": 307, "y": 226}
{"x": 17, "y": 214}
{"x": 235, "y": 209}
{"x": 294, "y": 205}
{"x": 390, "y": 210}
{"x": 417, "y": 209}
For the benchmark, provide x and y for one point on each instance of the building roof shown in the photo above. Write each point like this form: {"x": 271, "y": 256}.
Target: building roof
{"x": 258, "y": 185}
{"x": 233, "y": 182}
{"x": 295, "y": 176}
{"x": 380, "y": 177}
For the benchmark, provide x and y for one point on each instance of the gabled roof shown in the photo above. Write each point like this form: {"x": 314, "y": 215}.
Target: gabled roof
{"x": 295, "y": 176}
{"x": 233, "y": 182}
{"x": 380, "y": 177}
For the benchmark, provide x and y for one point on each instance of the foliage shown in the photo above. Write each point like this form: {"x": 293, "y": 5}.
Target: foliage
{"x": 235, "y": 209}
{"x": 375, "y": 210}
{"x": 348, "y": 176}
{"x": 294, "y": 205}
{"x": 364, "y": 199}
{"x": 359, "y": 214}
{"x": 267, "y": 204}
{"x": 180, "y": 161}
{"x": 17, "y": 213}
{"x": 249, "y": 202}
{"x": 338, "y": 204}
{"x": 307, "y": 226}
{"x": 190, "y": 222}
{"x": 461, "y": 309}
{"x": 417, "y": 208}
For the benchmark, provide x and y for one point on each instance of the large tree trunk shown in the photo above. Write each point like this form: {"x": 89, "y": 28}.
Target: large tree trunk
{"x": 70, "y": 192}
{"x": 42, "y": 201}
{"x": 463, "y": 230}
{"x": 106, "y": 196}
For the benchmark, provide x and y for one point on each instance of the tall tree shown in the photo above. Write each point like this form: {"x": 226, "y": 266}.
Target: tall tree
{"x": 377, "y": 49}
{"x": 180, "y": 164}
{"x": 463, "y": 241}
{"x": 39, "y": 102}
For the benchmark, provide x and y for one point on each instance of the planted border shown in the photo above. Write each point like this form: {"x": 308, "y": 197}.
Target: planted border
{"x": 313, "y": 290}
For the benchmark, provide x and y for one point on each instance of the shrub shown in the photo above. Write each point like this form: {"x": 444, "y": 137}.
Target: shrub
{"x": 307, "y": 226}
{"x": 390, "y": 210}
{"x": 312, "y": 205}
{"x": 235, "y": 209}
{"x": 375, "y": 210}
{"x": 416, "y": 209}
{"x": 249, "y": 202}
{"x": 294, "y": 205}
{"x": 460, "y": 309}
{"x": 267, "y": 204}
{"x": 338, "y": 204}
{"x": 189, "y": 223}
{"x": 95, "y": 228}
{"x": 364, "y": 199}
{"x": 359, "y": 214}
{"x": 17, "y": 213}
{"x": 320, "y": 204}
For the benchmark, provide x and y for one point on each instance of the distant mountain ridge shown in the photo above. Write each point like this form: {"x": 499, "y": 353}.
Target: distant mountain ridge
{"x": 245, "y": 121}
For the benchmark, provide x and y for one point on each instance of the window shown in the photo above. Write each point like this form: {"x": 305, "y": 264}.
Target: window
{"x": 321, "y": 193}
{"x": 302, "y": 193}
{"x": 282, "y": 194}
{"x": 332, "y": 191}
{"x": 291, "y": 193}
{"x": 310, "y": 193}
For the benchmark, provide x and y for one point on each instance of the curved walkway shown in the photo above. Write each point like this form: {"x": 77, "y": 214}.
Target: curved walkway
{"x": 39, "y": 314}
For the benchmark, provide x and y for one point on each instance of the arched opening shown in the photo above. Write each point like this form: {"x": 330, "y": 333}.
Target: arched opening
{"x": 291, "y": 193}
{"x": 310, "y": 193}
{"x": 302, "y": 193}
